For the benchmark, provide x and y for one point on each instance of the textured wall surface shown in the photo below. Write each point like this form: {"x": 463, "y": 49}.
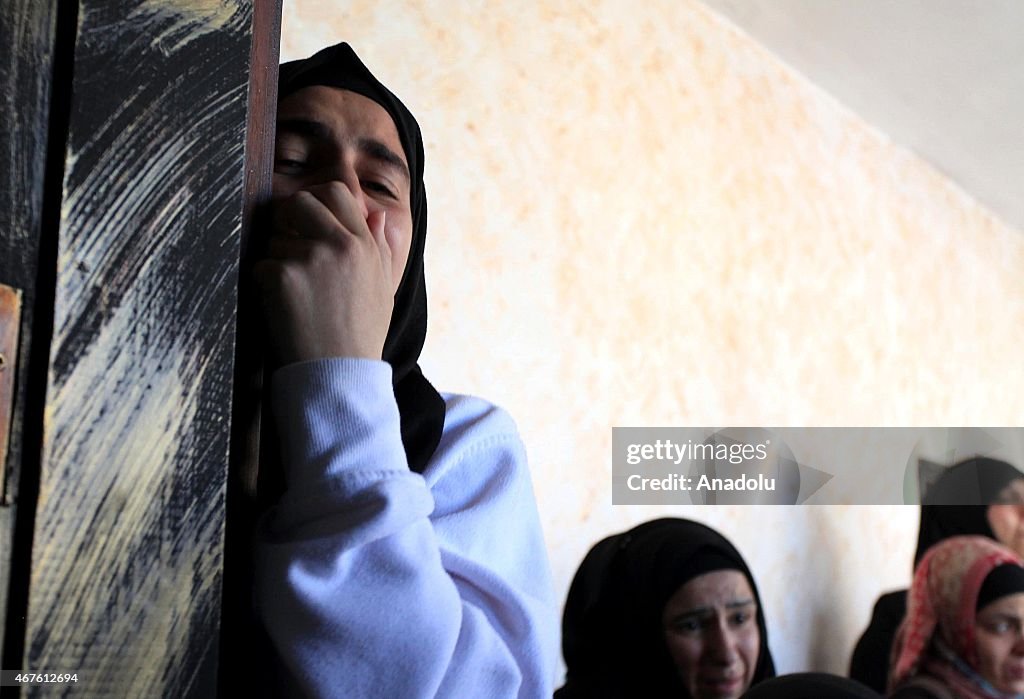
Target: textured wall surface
{"x": 941, "y": 77}
{"x": 640, "y": 217}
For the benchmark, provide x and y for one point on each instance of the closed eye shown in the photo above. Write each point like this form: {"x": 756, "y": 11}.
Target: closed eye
{"x": 285, "y": 166}
{"x": 379, "y": 188}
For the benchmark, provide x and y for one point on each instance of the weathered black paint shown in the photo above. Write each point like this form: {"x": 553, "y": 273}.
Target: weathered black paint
{"x": 26, "y": 46}
{"x": 27, "y": 57}
{"x": 127, "y": 552}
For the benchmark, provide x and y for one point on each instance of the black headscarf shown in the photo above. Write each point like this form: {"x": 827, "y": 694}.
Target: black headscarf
{"x": 1003, "y": 580}
{"x": 811, "y": 685}
{"x": 957, "y": 503}
{"x": 612, "y": 634}
{"x": 421, "y": 406}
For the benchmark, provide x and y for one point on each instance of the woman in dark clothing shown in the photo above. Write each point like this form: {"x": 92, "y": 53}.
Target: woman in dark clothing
{"x": 962, "y": 637}
{"x": 968, "y": 499}
{"x": 811, "y": 685}
{"x": 667, "y": 609}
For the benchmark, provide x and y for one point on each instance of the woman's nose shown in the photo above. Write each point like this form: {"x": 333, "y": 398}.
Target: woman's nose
{"x": 347, "y": 176}
{"x": 1018, "y": 645}
{"x": 722, "y": 643}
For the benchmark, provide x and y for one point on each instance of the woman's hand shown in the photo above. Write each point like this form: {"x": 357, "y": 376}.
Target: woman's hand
{"x": 327, "y": 282}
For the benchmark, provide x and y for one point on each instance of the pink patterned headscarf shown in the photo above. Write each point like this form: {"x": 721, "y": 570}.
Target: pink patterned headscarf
{"x": 941, "y": 605}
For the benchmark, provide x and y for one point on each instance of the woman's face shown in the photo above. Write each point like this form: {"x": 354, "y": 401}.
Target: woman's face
{"x": 1006, "y": 516}
{"x": 710, "y": 627}
{"x": 325, "y": 134}
{"x": 999, "y": 630}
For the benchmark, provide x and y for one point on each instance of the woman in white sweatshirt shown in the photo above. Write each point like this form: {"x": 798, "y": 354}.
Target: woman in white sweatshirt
{"x": 405, "y": 557}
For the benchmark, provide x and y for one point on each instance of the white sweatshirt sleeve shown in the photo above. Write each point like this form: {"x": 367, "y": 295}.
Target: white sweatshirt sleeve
{"x": 374, "y": 581}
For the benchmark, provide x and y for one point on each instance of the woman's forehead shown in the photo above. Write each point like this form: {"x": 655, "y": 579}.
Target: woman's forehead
{"x": 343, "y": 112}
{"x": 716, "y": 587}
{"x": 1012, "y": 604}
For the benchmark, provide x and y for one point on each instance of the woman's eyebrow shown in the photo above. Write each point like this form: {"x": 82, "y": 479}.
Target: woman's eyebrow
{"x": 380, "y": 152}
{"x": 695, "y": 613}
{"x": 305, "y": 127}
{"x": 731, "y": 604}
{"x": 740, "y": 603}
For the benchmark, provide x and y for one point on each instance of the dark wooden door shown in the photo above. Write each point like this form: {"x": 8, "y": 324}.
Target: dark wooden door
{"x": 125, "y": 243}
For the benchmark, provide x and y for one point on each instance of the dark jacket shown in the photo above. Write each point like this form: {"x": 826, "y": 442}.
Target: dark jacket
{"x": 870, "y": 662}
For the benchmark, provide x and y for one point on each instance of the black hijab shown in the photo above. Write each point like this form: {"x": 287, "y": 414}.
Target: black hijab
{"x": 957, "y": 503}
{"x": 420, "y": 405}
{"x": 612, "y": 635}
{"x": 811, "y": 685}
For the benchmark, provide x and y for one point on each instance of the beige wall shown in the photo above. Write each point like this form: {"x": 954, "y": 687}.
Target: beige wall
{"x": 639, "y": 217}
